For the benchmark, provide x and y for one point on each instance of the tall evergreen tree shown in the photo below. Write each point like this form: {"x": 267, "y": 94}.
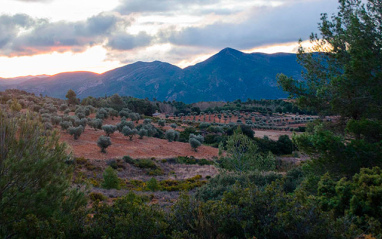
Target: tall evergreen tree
{"x": 343, "y": 73}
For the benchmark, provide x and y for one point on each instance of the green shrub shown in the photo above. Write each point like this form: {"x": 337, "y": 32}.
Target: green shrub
{"x": 103, "y": 142}
{"x": 93, "y": 196}
{"x": 128, "y": 159}
{"x": 153, "y": 185}
{"x": 110, "y": 179}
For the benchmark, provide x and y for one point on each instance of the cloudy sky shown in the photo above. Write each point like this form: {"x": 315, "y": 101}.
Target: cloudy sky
{"x": 52, "y": 36}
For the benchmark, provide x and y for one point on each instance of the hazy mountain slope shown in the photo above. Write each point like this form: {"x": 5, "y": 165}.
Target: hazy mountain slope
{"x": 226, "y": 76}
{"x": 141, "y": 80}
{"x": 231, "y": 75}
{"x": 58, "y": 85}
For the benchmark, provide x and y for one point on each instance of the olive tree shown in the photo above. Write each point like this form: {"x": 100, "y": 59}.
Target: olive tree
{"x": 109, "y": 129}
{"x": 103, "y": 142}
{"x": 76, "y": 131}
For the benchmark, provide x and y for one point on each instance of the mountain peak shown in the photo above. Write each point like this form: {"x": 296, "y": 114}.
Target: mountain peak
{"x": 229, "y": 50}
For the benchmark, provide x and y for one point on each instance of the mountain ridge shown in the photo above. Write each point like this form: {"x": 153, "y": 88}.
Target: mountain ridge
{"x": 228, "y": 75}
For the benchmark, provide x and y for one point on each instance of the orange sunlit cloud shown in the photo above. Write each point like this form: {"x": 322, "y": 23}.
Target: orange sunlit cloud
{"x": 92, "y": 59}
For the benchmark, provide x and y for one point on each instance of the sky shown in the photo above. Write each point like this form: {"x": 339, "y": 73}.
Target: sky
{"x": 51, "y": 36}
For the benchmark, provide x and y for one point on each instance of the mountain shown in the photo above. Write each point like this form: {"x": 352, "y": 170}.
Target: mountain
{"x": 18, "y": 80}
{"x": 226, "y": 76}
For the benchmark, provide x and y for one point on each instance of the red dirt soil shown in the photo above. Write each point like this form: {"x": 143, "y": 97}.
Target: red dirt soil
{"x": 86, "y": 146}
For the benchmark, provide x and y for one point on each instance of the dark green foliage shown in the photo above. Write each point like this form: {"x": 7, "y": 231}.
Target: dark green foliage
{"x": 72, "y": 97}
{"x": 128, "y": 159}
{"x": 221, "y": 183}
{"x": 282, "y": 146}
{"x": 110, "y": 179}
{"x": 142, "y": 132}
{"x": 103, "y": 142}
{"x": 76, "y": 131}
{"x": 125, "y": 113}
{"x": 102, "y": 113}
{"x": 128, "y": 217}
{"x": 127, "y": 131}
{"x": 162, "y": 122}
{"x": 153, "y": 185}
{"x": 191, "y": 160}
{"x": 96, "y": 123}
{"x": 109, "y": 129}
{"x": 36, "y": 195}
{"x": 185, "y": 134}
{"x": 242, "y": 155}
{"x": 149, "y": 165}
{"x": 140, "y": 106}
{"x": 116, "y": 102}
{"x": 332, "y": 153}
{"x": 343, "y": 74}
{"x": 97, "y": 197}
{"x": 56, "y": 120}
{"x": 65, "y": 125}
{"x": 194, "y": 143}
{"x": 245, "y": 129}
{"x": 172, "y": 135}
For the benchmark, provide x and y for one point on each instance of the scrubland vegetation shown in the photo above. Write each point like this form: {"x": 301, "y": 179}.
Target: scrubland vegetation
{"x": 324, "y": 182}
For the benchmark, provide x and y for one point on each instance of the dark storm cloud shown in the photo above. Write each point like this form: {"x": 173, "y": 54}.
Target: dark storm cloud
{"x": 11, "y": 25}
{"x": 42, "y": 36}
{"x": 125, "y": 41}
{"x": 265, "y": 25}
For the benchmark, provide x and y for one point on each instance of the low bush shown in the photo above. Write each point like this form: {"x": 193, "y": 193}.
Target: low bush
{"x": 93, "y": 196}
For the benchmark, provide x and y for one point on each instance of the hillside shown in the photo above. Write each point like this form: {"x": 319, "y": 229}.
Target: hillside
{"x": 226, "y": 76}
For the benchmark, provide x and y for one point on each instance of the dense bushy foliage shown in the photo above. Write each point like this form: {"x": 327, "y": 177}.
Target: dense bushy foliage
{"x": 172, "y": 135}
{"x": 103, "y": 142}
{"x": 109, "y": 129}
{"x": 36, "y": 195}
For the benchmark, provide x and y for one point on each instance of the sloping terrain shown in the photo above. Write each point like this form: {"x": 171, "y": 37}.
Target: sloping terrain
{"x": 226, "y": 76}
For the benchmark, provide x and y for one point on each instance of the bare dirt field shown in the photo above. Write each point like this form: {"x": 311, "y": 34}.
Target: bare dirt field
{"x": 86, "y": 146}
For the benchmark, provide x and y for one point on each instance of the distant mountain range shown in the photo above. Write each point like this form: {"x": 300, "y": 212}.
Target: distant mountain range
{"x": 226, "y": 76}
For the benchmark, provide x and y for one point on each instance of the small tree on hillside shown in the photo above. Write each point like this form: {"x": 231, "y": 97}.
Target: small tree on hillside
{"x": 172, "y": 135}
{"x": 243, "y": 155}
{"x": 72, "y": 97}
{"x": 142, "y": 132}
{"x": 96, "y": 124}
{"x": 195, "y": 141}
{"x": 109, "y": 129}
{"x": 103, "y": 142}
{"x": 65, "y": 125}
{"x": 162, "y": 122}
{"x": 110, "y": 179}
{"x": 76, "y": 131}
{"x": 127, "y": 131}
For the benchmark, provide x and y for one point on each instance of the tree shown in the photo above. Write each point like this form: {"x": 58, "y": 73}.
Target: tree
{"x": 103, "y": 142}
{"x": 109, "y": 129}
{"x": 72, "y": 97}
{"x": 76, "y": 131}
{"x": 342, "y": 70}
{"x": 15, "y": 105}
{"x": 243, "y": 155}
{"x": 35, "y": 181}
{"x": 142, "y": 132}
{"x": 127, "y": 131}
{"x": 96, "y": 124}
{"x": 172, "y": 135}
{"x": 116, "y": 102}
{"x": 194, "y": 143}
{"x": 110, "y": 179}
